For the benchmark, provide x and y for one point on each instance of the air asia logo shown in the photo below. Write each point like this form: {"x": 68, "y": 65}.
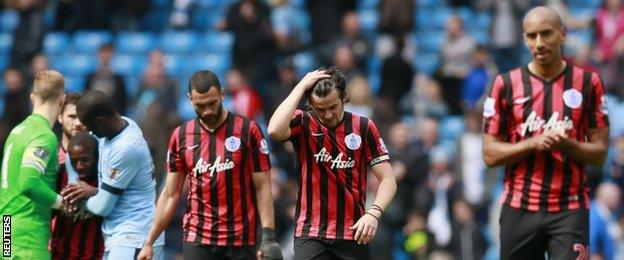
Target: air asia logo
{"x": 336, "y": 163}
{"x": 202, "y": 166}
{"x": 534, "y": 123}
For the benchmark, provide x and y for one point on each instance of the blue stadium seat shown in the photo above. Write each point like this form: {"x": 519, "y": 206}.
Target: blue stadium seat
{"x": 185, "y": 109}
{"x": 304, "y": 63}
{"x": 298, "y": 3}
{"x": 74, "y": 83}
{"x": 8, "y": 20}
{"x": 4, "y": 62}
{"x": 431, "y": 3}
{"x": 74, "y": 65}
{"x": 88, "y": 42}
{"x": 132, "y": 86}
{"x": 219, "y": 64}
{"x": 55, "y": 43}
{"x": 156, "y": 19}
{"x": 481, "y": 36}
{"x": 368, "y": 4}
{"x": 217, "y": 42}
{"x": 179, "y": 42}
{"x": 374, "y": 81}
{"x": 6, "y": 42}
{"x": 129, "y": 65}
{"x": 162, "y": 3}
{"x": 467, "y": 15}
{"x": 374, "y": 64}
{"x": 430, "y": 41}
{"x": 205, "y": 19}
{"x": 369, "y": 18}
{"x": 483, "y": 20}
{"x": 451, "y": 127}
{"x": 427, "y": 63}
{"x": 135, "y": 42}
{"x": 174, "y": 64}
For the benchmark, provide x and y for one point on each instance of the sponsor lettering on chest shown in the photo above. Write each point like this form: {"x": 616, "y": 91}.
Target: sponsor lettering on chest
{"x": 535, "y": 123}
{"x": 336, "y": 163}
{"x": 217, "y": 166}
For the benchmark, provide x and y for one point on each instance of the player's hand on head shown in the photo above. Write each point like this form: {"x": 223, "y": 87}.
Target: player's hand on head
{"x": 146, "y": 253}
{"x": 75, "y": 192}
{"x": 365, "y": 228}
{"x": 311, "y": 78}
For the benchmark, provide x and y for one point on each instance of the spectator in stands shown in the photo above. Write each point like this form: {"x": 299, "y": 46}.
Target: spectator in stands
{"x": 467, "y": 242}
{"x": 604, "y": 230}
{"x": 396, "y": 21}
{"x": 28, "y": 36}
{"x": 245, "y": 100}
{"x": 290, "y": 32}
{"x": 396, "y": 77}
{"x": 505, "y": 30}
{"x": 478, "y": 77}
{"x": 610, "y": 43}
{"x": 127, "y": 14}
{"x": 253, "y": 51}
{"x": 456, "y": 57}
{"x": 156, "y": 109}
{"x": 16, "y": 102}
{"x": 92, "y": 14}
{"x": 419, "y": 242}
{"x": 325, "y": 15}
{"x": 428, "y": 99}
{"x": 569, "y": 21}
{"x": 617, "y": 164}
{"x": 360, "y": 99}
{"x": 344, "y": 60}
{"x": 352, "y": 37}
{"x": 107, "y": 81}
{"x": 471, "y": 169}
{"x": 39, "y": 63}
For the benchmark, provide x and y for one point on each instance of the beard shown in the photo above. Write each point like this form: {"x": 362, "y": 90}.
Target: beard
{"x": 212, "y": 119}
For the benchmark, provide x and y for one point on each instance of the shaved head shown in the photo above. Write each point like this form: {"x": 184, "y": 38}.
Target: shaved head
{"x": 543, "y": 14}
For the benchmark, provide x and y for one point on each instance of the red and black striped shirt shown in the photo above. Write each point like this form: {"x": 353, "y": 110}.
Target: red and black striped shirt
{"x": 332, "y": 163}
{"x": 80, "y": 239}
{"x": 219, "y": 166}
{"x": 520, "y": 105}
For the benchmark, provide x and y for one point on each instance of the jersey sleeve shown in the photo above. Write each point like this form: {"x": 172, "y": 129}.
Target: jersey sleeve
{"x": 376, "y": 151}
{"x": 494, "y": 107}
{"x": 175, "y": 154}
{"x": 37, "y": 155}
{"x": 120, "y": 170}
{"x": 598, "y": 112}
{"x": 296, "y": 123}
{"x": 259, "y": 149}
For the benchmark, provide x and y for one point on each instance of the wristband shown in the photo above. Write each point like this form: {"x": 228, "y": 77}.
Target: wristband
{"x": 373, "y": 216}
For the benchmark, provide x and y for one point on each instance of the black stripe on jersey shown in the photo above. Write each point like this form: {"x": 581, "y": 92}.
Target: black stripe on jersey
{"x": 372, "y": 145}
{"x": 339, "y": 192}
{"x": 229, "y": 184}
{"x": 528, "y": 107}
{"x": 324, "y": 185}
{"x": 548, "y": 159}
{"x": 182, "y": 143}
{"x": 298, "y": 162}
{"x": 591, "y": 117}
{"x": 84, "y": 236}
{"x": 509, "y": 171}
{"x": 508, "y": 94}
{"x": 256, "y": 159}
{"x": 348, "y": 118}
{"x": 243, "y": 184}
{"x": 567, "y": 166}
{"x": 361, "y": 172}
{"x": 66, "y": 237}
{"x": 214, "y": 191}
{"x": 199, "y": 188}
{"x": 111, "y": 189}
{"x": 309, "y": 171}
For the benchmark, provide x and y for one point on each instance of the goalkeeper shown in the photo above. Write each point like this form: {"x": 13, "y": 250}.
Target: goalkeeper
{"x": 29, "y": 170}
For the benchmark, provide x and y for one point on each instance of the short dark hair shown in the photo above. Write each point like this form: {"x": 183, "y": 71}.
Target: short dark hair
{"x": 83, "y": 139}
{"x": 106, "y": 47}
{"x": 95, "y": 103}
{"x": 202, "y": 81}
{"x": 323, "y": 87}
{"x": 71, "y": 99}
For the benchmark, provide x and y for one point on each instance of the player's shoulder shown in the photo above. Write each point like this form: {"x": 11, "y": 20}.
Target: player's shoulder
{"x": 360, "y": 119}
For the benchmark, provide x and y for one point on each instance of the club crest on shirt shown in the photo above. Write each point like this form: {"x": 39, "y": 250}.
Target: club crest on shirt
{"x": 603, "y": 105}
{"x": 264, "y": 148}
{"x": 572, "y": 98}
{"x": 353, "y": 141}
{"x": 232, "y": 143}
{"x": 488, "y": 107}
{"x": 114, "y": 173}
{"x": 382, "y": 145}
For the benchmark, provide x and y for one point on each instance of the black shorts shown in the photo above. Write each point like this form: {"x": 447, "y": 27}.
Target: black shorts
{"x": 321, "y": 249}
{"x": 201, "y": 251}
{"x": 532, "y": 235}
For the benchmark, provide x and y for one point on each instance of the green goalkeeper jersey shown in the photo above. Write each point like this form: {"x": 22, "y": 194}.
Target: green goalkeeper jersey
{"x": 29, "y": 170}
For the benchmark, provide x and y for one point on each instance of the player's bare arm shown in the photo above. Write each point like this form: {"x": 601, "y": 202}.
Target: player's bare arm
{"x": 497, "y": 152}
{"x": 366, "y": 226}
{"x": 165, "y": 211}
{"x": 268, "y": 246}
{"x": 278, "y": 127}
{"x": 78, "y": 191}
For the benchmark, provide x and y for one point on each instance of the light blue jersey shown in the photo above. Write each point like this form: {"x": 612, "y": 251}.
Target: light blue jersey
{"x": 127, "y": 192}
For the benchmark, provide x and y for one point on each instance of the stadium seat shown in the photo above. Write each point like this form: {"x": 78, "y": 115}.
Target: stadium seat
{"x": 451, "y": 127}
{"x": 185, "y": 109}
{"x": 483, "y": 20}
{"x": 6, "y": 42}
{"x": 304, "y": 63}
{"x": 9, "y": 20}
{"x": 74, "y": 84}
{"x": 132, "y": 86}
{"x": 179, "y": 42}
{"x": 467, "y": 15}
{"x": 174, "y": 64}
{"x": 369, "y": 18}
{"x": 217, "y": 42}
{"x": 162, "y": 3}
{"x": 129, "y": 65}
{"x": 55, "y": 43}
{"x": 205, "y": 19}
{"x": 430, "y": 3}
{"x": 219, "y": 64}
{"x": 368, "y": 4}
{"x": 374, "y": 81}
{"x": 88, "y": 42}
{"x": 135, "y": 42}
{"x": 74, "y": 65}
{"x": 431, "y": 41}
{"x": 4, "y": 62}
{"x": 427, "y": 63}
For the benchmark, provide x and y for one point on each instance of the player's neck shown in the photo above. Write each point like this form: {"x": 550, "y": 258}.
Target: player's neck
{"x": 64, "y": 142}
{"x": 49, "y": 111}
{"x": 119, "y": 124}
{"x": 212, "y": 127}
{"x": 547, "y": 72}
